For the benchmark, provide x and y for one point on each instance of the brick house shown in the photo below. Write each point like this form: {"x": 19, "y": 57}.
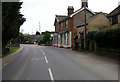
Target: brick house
{"x": 114, "y": 16}
{"x": 94, "y": 23}
{"x": 65, "y": 26}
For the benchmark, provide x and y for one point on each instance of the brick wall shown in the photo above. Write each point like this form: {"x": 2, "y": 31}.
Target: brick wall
{"x": 79, "y": 18}
{"x": 57, "y": 27}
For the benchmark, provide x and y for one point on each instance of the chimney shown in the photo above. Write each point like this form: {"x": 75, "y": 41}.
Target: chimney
{"x": 70, "y": 10}
{"x": 84, "y": 3}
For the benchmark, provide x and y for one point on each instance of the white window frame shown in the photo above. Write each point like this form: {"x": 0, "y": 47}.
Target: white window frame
{"x": 61, "y": 26}
{"x": 67, "y": 38}
{"x": 66, "y": 23}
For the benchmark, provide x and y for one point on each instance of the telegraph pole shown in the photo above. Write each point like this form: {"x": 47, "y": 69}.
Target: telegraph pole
{"x": 85, "y": 28}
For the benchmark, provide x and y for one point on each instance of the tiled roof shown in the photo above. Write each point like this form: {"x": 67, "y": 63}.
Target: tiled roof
{"x": 90, "y": 19}
{"x": 60, "y": 17}
{"x": 81, "y": 10}
{"x": 65, "y": 18}
{"x": 116, "y": 11}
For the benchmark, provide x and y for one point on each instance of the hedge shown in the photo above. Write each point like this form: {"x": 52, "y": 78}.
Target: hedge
{"x": 106, "y": 38}
{"x": 90, "y": 37}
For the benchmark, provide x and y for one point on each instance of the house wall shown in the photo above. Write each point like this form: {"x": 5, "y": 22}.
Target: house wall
{"x": 115, "y": 25}
{"x": 119, "y": 18}
{"x": 81, "y": 29}
{"x": 55, "y": 39}
{"x": 68, "y": 39}
{"x": 57, "y": 27}
{"x": 64, "y": 27}
{"x": 69, "y": 23}
{"x": 73, "y": 34}
{"x": 61, "y": 37}
{"x": 110, "y": 20}
{"x": 59, "y": 40}
{"x": 100, "y": 22}
{"x": 79, "y": 18}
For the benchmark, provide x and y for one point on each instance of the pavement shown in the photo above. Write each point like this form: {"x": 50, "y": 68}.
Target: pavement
{"x": 51, "y": 63}
{"x": 7, "y": 59}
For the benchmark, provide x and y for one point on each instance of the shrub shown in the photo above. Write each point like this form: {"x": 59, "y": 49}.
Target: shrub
{"x": 109, "y": 38}
{"x": 90, "y": 37}
{"x": 106, "y": 38}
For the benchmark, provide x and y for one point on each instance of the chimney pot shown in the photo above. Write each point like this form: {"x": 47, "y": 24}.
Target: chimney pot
{"x": 70, "y": 10}
{"x": 84, "y": 3}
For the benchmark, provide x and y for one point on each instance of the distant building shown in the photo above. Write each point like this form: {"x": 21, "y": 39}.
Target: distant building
{"x": 51, "y": 33}
{"x": 35, "y": 38}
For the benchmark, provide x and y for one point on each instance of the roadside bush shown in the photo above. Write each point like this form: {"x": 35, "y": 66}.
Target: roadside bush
{"x": 90, "y": 37}
{"x": 106, "y": 38}
{"x": 109, "y": 38}
{"x": 76, "y": 44}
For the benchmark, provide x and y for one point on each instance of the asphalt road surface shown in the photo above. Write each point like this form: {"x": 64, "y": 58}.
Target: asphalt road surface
{"x": 51, "y": 63}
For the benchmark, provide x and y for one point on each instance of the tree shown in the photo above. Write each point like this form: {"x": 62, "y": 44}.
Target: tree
{"x": 37, "y": 33}
{"x": 12, "y": 19}
{"x": 46, "y": 37}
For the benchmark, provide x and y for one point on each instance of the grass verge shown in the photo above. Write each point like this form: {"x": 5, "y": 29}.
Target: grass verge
{"x": 12, "y": 49}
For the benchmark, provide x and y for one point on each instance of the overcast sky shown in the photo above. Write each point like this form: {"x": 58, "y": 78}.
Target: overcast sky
{"x": 44, "y": 11}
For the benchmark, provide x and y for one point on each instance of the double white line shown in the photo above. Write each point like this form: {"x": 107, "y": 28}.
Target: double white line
{"x": 49, "y": 69}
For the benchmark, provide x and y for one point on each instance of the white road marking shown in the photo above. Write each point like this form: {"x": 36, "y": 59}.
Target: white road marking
{"x": 51, "y": 75}
{"x": 50, "y": 72}
{"x": 46, "y": 59}
{"x": 42, "y": 52}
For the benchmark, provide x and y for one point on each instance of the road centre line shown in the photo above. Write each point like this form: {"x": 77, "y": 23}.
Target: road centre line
{"x": 42, "y": 52}
{"x": 50, "y": 72}
{"x": 45, "y": 56}
{"x": 51, "y": 75}
{"x": 46, "y": 59}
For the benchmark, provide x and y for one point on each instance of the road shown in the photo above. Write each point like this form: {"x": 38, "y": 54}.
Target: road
{"x": 51, "y": 63}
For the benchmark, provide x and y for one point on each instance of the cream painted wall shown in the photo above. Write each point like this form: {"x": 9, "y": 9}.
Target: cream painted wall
{"x": 119, "y": 18}
{"x": 100, "y": 22}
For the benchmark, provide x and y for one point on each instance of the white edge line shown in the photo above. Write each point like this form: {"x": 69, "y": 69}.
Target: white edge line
{"x": 50, "y": 73}
{"x": 46, "y": 59}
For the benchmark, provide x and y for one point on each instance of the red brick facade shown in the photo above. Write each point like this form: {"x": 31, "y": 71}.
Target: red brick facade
{"x": 64, "y": 36}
